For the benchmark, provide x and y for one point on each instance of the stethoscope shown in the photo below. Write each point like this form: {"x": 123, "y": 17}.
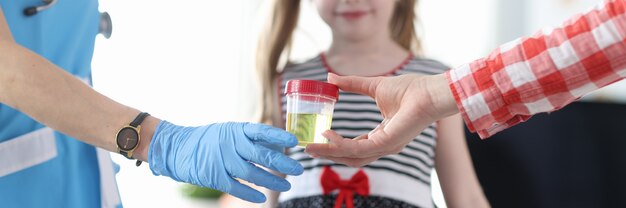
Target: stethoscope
{"x": 33, "y": 10}
{"x": 105, "y": 27}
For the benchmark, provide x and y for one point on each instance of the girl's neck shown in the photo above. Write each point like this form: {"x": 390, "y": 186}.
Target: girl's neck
{"x": 374, "y": 56}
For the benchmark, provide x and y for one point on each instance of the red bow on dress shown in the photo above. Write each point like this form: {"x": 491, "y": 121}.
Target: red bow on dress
{"x": 359, "y": 183}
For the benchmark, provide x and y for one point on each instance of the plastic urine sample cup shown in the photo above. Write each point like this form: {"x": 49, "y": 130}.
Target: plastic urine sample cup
{"x": 310, "y": 107}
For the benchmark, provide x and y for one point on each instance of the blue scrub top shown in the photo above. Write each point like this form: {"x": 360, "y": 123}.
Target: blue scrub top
{"x": 64, "y": 34}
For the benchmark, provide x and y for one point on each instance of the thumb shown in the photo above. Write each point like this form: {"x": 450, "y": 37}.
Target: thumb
{"x": 403, "y": 127}
{"x": 360, "y": 85}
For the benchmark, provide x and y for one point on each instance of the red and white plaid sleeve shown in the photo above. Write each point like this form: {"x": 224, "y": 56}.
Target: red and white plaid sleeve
{"x": 544, "y": 72}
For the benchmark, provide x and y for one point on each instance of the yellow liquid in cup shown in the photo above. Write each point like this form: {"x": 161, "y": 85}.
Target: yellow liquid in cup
{"x": 308, "y": 128}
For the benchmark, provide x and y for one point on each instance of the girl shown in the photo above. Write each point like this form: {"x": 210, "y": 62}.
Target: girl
{"x": 370, "y": 38}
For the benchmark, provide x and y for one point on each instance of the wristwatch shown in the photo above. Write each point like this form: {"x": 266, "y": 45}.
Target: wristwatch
{"x": 128, "y": 138}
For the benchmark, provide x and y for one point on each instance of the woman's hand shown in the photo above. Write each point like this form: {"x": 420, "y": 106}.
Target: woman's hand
{"x": 408, "y": 103}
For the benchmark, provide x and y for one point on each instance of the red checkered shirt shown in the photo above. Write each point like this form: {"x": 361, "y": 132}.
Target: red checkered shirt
{"x": 544, "y": 72}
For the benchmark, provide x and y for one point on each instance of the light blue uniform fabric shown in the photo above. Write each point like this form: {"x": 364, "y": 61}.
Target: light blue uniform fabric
{"x": 65, "y": 35}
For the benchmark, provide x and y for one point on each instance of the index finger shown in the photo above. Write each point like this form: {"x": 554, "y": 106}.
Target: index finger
{"x": 270, "y": 135}
{"x": 361, "y": 85}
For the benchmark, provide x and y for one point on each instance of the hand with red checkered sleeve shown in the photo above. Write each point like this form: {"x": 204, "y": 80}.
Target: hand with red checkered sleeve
{"x": 524, "y": 77}
{"x": 544, "y": 72}
{"x": 408, "y": 103}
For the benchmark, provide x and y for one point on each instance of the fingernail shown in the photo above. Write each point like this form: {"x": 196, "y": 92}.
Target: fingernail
{"x": 333, "y": 75}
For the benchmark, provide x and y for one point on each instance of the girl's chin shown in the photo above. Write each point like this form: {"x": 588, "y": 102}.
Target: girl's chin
{"x": 354, "y": 34}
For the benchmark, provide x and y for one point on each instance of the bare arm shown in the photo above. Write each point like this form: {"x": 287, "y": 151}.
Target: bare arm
{"x": 5, "y": 33}
{"x": 37, "y": 87}
{"x": 454, "y": 166}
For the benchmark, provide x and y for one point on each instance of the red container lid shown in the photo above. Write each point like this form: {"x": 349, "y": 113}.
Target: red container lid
{"x": 312, "y": 87}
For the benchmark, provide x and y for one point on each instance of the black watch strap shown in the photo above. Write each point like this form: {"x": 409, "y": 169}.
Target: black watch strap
{"x": 125, "y": 154}
{"x": 139, "y": 119}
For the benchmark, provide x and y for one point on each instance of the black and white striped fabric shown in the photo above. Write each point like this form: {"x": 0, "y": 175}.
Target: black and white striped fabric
{"x": 403, "y": 177}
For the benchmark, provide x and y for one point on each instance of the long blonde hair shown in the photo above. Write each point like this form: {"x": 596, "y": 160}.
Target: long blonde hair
{"x": 276, "y": 38}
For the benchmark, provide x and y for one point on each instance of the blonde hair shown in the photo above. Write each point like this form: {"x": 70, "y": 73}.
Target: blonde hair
{"x": 275, "y": 43}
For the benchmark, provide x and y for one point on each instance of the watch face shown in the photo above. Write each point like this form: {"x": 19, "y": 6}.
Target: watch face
{"x": 127, "y": 138}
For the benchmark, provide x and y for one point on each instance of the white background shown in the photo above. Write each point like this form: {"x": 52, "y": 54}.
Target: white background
{"x": 191, "y": 61}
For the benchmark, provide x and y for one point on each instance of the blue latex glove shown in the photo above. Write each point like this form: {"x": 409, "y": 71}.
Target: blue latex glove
{"x": 211, "y": 156}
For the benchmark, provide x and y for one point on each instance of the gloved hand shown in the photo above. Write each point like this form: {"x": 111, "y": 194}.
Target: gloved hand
{"x": 212, "y": 156}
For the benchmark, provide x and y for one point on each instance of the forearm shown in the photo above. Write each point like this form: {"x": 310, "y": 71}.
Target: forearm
{"x": 5, "y": 32}
{"x": 544, "y": 72}
{"x": 456, "y": 173}
{"x": 35, "y": 86}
